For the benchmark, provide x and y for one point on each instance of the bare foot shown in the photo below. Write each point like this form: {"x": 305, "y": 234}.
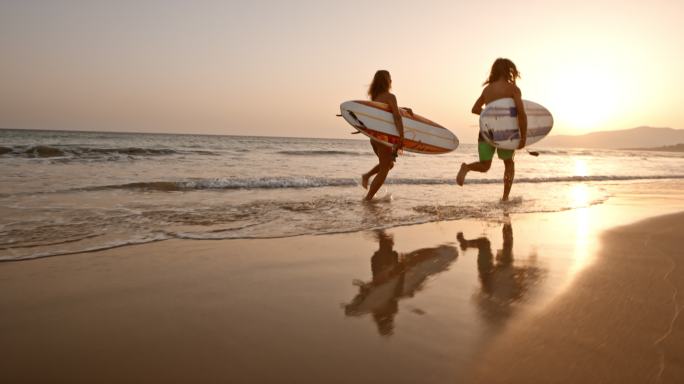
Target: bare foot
{"x": 364, "y": 181}
{"x": 460, "y": 179}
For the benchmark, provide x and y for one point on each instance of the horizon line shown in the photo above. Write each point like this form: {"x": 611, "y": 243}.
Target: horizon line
{"x": 284, "y": 137}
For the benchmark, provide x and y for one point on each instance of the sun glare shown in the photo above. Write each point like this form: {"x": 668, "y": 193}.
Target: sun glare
{"x": 585, "y": 97}
{"x": 581, "y": 168}
{"x": 579, "y": 196}
{"x": 581, "y": 254}
{"x": 590, "y": 84}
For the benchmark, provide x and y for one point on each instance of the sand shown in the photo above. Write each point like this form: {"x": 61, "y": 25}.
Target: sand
{"x": 572, "y": 296}
{"x": 618, "y": 323}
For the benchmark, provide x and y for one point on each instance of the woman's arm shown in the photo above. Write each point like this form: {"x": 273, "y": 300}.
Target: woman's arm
{"x": 522, "y": 116}
{"x": 397, "y": 117}
{"x": 408, "y": 110}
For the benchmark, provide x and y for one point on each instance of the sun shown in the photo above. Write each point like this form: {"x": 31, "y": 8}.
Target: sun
{"x": 585, "y": 96}
{"x": 588, "y": 85}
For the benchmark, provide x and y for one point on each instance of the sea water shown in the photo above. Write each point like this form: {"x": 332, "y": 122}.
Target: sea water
{"x": 67, "y": 192}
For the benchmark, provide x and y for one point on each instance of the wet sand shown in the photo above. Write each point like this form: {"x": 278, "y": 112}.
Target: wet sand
{"x": 549, "y": 297}
{"x": 620, "y": 322}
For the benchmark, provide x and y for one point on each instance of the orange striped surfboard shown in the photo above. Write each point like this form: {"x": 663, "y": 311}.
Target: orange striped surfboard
{"x": 375, "y": 120}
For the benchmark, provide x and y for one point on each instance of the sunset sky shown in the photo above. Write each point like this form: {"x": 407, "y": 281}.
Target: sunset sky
{"x": 281, "y": 68}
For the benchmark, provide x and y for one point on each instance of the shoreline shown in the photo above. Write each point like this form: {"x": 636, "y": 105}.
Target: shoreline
{"x": 667, "y": 190}
{"x": 418, "y": 303}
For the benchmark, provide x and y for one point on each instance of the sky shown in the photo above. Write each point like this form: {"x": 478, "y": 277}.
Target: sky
{"x": 281, "y": 68}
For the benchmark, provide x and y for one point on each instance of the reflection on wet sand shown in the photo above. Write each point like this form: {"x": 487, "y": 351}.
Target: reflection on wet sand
{"x": 395, "y": 277}
{"x": 503, "y": 284}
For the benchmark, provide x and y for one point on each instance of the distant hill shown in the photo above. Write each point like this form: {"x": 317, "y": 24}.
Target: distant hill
{"x": 668, "y": 148}
{"x": 641, "y": 137}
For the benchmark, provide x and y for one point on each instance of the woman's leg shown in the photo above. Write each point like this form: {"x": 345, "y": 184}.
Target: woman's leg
{"x": 366, "y": 176}
{"x": 386, "y": 163}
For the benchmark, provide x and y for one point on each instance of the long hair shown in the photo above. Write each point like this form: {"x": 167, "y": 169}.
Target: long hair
{"x": 381, "y": 83}
{"x": 503, "y": 69}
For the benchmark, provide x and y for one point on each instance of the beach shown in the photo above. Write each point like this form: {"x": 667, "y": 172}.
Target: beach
{"x": 579, "y": 295}
{"x": 257, "y": 193}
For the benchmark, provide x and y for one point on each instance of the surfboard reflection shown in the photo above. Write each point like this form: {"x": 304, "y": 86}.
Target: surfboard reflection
{"x": 503, "y": 284}
{"x": 396, "y": 277}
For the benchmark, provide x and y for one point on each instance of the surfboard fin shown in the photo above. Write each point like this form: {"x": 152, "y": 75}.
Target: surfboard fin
{"x": 352, "y": 114}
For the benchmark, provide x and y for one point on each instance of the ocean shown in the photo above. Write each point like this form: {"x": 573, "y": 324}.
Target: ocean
{"x": 68, "y": 192}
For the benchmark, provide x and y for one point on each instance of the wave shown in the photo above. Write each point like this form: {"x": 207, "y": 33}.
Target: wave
{"x": 97, "y": 248}
{"x": 603, "y": 152}
{"x": 320, "y": 182}
{"x": 258, "y": 183}
{"x": 71, "y": 232}
{"x": 46, "y": 151}
{"x": 323, "y": 153}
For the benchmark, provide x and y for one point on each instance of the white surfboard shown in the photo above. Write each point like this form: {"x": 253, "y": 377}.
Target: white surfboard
{"x": 375, "y": 120}
{"x": 499, "y": 123}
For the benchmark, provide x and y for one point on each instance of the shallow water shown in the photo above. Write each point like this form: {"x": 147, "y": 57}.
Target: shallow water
{"x": 66, "y": 192}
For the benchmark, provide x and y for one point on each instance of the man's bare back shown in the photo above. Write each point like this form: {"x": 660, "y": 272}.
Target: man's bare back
{"x": 499, "y": 90}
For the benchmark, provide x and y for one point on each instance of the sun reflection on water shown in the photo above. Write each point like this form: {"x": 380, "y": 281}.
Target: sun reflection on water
{"x": 579, "y": 196}
{"x": 580, "y": 199}
{"x": 581, "y": 168}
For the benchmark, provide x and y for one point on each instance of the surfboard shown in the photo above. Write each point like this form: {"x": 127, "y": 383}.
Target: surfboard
{"x": 375, "y": 120}
{"x": 499, "y": 123}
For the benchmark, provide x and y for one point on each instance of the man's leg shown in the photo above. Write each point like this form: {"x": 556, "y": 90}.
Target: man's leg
{"x": 486, "y": 153}
{"x": 509, "y": 174}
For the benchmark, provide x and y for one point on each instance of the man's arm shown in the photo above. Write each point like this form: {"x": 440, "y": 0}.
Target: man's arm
{"x": 477, "y": 107}
{"x": 522, "y": 116}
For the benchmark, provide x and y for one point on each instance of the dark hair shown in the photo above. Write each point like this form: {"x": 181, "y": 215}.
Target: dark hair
{"x": 503, "y": 69}
{"x": 381, "y": 83}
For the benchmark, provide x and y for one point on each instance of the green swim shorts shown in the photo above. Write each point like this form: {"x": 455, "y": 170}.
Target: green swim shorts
{"x": 486, "y": 152}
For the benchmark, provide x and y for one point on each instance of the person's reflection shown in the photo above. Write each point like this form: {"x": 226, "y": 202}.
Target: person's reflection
{"x": 395, "y": 277}
{"x": 502, "y": 283}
